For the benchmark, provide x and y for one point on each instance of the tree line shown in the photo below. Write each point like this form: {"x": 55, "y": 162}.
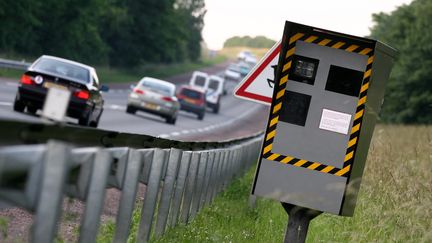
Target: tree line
{"x": 408, "y": 96}
{"x": 114, "y": 32}
{"x": 247, "y": 41}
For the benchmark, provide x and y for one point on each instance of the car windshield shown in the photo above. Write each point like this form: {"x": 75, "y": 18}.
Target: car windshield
{"x": 244, "y": 68}
{"x": 200, "y": 81}
{"x": 214, "y": 84}
{"x": 64, "y": 69}
{"x": 191, "y": 93}
{"x": 157, "y": 87}
{"x": 233, "y": 68}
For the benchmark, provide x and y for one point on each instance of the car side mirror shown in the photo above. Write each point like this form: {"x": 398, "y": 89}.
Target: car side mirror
{"x": 132, "y": 86}
{"x": 104, "y": 88}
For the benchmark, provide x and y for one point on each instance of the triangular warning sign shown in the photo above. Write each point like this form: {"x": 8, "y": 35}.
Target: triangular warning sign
{"x": 258, "y": 84}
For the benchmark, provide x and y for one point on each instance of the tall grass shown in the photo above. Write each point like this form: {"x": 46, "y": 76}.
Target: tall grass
{"x": 394, "y": 204}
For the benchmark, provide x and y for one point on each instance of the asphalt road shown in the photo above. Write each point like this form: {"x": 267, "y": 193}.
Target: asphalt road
{"x": 229, "y": 123}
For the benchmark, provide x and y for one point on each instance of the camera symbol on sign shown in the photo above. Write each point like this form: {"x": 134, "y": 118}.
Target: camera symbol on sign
{"x": 269, "y": 81}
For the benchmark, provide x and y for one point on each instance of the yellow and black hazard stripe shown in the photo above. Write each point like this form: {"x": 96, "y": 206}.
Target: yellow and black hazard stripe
{"x": 279, "y": 92}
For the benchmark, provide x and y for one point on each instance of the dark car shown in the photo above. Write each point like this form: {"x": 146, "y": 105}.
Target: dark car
{"x": 193, "y": 100}
{"x": 86, "y": 102}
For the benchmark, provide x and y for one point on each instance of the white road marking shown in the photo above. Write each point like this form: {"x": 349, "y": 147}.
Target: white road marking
{"x": 6, "y": 103}
{"x": 211, "y": 127}
{"x": 12, "y": 84}
{"x": 116, "y": 107}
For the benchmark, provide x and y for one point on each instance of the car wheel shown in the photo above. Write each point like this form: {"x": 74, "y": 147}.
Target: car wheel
{"x": 18, "y": 105}
{"x": 130, "y": 110}
{"x": 171, "y": 120}
{"x": 201, "y": 115}
{"x": 85, "y": 121}
{"x": 216, "y": 108}
{"x": 95, "y": 124}
{"x": 31, "y": 109}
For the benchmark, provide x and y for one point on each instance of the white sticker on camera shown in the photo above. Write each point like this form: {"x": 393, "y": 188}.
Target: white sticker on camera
{"x": 56, "y": 104}
{"x": 335, "y": 121}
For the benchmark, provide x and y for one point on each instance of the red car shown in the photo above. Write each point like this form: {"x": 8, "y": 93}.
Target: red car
{"x": 192, "y": 100}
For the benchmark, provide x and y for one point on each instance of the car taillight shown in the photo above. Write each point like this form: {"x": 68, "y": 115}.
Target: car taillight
{"x": 25, "y": 79}
{"x": 166, "y": 98}
{"x": 138, "y": 91}
{"x": 82, "y": 94}
{"x": 200, "y": 102}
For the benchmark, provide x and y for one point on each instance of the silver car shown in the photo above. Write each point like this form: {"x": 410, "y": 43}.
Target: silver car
{"x": 156, "y": 97}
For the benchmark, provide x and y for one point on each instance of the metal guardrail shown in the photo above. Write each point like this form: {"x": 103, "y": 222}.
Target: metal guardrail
{"x": 181, "y": 177}
{"x": 21, "y": 65}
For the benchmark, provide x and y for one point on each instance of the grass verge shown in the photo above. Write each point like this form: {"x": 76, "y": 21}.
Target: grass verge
{"x": 119, "y": 75}
{"x": 394, "y": 204}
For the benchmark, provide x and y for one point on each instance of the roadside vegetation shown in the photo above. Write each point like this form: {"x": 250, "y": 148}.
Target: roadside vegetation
{"x": 394, "y": 204}
{"x": 99, "y": 32}
{"x": 408, "y": 97}
{"x": 253, "y": 42}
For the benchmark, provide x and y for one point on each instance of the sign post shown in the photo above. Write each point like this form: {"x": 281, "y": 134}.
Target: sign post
{"x": 327, "y": 94}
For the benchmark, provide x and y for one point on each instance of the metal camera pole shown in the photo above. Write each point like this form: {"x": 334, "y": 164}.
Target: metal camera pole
{"x": 298, "y": 222}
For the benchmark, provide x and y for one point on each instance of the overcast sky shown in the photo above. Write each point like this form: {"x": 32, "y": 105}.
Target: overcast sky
{"x": 227, "y": 18}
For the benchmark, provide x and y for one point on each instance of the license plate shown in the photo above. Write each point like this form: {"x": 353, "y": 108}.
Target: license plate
{"x": 190, "y": 101}
{"x": 150, "y": 106}
{"x": 53, "y": 85}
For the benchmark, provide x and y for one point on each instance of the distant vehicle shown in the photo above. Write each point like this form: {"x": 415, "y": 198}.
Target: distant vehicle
{"x": 243, "y": 54}
{"x": 232, "y": 72}
{"x": 251, "y": 60}
{"x": 199, "y": 80}
{"x": 244, "y": 68}
{"x": 86, "y": 102}
{"x": 156, "y": 97}
{"x": 192, "y": 99}
{"x": 215, "y": 92}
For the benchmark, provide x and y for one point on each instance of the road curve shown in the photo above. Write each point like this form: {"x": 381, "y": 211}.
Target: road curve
{"x": 236, "y": 117}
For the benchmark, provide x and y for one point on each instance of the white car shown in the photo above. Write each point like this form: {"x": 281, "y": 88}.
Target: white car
{"x": 243, "y": 54}
{"x": 154, "y": 96}
{"x": 199, "y": 80}
{"x": 251, "y": 60}
{"x": 214, "y": 92}
{"x": 232, "y": 72}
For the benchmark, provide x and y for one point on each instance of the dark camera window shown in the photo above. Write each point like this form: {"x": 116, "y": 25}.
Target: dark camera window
{"x": 295, "y": 107}
{"x": 344, "y": 80}
{"x": 303, "y": 69}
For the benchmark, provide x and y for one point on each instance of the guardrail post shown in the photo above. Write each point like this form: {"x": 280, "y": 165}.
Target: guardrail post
{"x": 227, "y": 168}
{"x": 148, "y": 160}
{"x": 48, "y": 208}
{"x": 213, "y": 177}
{"x": 95, "y": 196}
{"x": 190, "y": 187}
{"x": 199, "y": 185}
{"x": 207, "y": 177}
{"x": 128, "y": 195}
{"x": 179, "y": 188}
{"x": 223, "y": 170}
{"x": 151, "y": 195}
{"x": 167, "y": 190}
